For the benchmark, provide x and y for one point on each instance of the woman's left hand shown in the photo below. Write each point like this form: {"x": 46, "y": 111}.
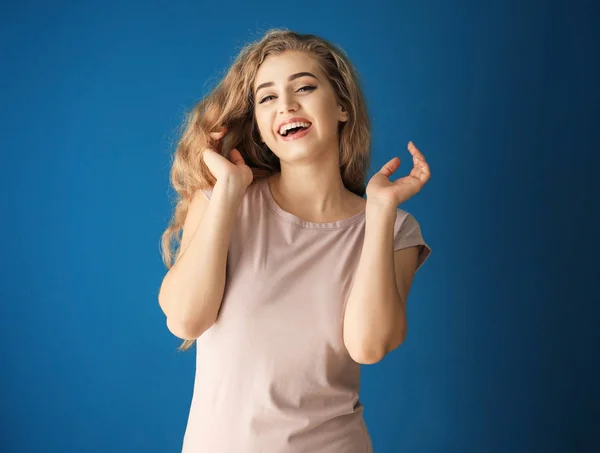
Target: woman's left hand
{"x": 381, "y": 190}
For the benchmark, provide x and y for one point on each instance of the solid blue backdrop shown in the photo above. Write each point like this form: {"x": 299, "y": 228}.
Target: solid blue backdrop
{"x": 502, "y": 99}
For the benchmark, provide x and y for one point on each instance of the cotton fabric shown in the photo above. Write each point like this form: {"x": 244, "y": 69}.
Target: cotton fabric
{"x": 272, "y": 373}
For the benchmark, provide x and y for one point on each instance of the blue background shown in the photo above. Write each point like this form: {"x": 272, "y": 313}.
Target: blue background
{"x": 502, "y": 98}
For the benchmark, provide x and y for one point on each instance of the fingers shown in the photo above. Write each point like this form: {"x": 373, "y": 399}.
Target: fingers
{"x": 236, "y": 157}
{"x": 218, "y": 134}
{"x": 415, "y": 151}
{"x": 390, "y": 167}
{"x": 419, "y": 158}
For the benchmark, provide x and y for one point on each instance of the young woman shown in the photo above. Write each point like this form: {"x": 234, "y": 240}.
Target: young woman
{"x": 286, "y": 278}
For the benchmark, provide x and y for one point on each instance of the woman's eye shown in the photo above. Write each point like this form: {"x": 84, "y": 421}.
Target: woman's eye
{"x": 307, "y": 87}
{"x": 264, "y": 99}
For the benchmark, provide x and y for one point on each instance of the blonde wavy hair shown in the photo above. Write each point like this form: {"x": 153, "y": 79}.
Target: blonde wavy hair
{"x": 231, "y": 104}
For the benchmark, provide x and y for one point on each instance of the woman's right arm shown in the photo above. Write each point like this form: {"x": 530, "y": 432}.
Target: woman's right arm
{"x": 192, "y": 290}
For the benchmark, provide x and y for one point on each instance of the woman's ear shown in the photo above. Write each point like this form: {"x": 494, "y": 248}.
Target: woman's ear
{"x": 343, "y": 115}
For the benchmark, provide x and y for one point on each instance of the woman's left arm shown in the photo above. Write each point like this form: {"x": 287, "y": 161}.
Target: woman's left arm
{"x": 375, "y": 316}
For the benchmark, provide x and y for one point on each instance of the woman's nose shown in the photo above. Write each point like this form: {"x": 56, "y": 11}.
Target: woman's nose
{"x": 288, "y": 104}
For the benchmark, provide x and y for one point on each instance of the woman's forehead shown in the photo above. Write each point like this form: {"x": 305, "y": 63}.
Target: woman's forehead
{"x": 277, "y": 68}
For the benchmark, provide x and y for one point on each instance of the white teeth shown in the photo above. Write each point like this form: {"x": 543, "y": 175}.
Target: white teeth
{"x": 287, "y": 127}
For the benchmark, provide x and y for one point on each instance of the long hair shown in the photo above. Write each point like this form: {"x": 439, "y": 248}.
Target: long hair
{"x": 231, "y": 104}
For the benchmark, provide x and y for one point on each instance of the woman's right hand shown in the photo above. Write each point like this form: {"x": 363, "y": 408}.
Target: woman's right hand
{"x": 233, "y": 169}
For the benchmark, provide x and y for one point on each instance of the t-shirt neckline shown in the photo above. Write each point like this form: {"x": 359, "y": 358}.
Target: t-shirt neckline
{"x": 291, "y": 218}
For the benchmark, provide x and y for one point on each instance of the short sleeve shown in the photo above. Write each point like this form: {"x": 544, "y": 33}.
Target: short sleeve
{"x": 407, "y": 233}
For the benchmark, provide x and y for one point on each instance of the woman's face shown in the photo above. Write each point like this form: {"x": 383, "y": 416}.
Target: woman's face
{"x": 291, "y": 85}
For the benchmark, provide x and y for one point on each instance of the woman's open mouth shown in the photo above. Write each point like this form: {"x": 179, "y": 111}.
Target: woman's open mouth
{"x": 295, "y": 133}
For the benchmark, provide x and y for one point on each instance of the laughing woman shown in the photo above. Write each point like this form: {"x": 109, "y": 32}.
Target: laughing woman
{"x": 286, "y": 278}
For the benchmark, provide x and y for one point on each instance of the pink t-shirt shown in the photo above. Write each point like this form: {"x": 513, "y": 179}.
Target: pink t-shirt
{"x": 273, "y": 374}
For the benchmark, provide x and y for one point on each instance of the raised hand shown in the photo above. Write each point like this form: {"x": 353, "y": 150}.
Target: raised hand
{"x": 232, "y": 169}
{"x": 381, "y": 190}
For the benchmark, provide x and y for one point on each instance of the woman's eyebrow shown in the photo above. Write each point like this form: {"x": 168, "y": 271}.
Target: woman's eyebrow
{"x": 290, "y": 78}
